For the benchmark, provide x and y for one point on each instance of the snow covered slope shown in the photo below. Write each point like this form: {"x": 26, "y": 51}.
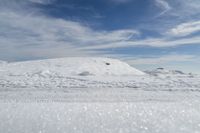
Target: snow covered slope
{"x": 71, "y": 67}
{"x": 90, "y": 73}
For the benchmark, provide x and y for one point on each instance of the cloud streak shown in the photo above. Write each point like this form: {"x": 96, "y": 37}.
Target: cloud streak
{"x": 185, "y": 29}
{"x": 160, "y": 60}
{"x": 164, "y": 6}
{"x": 152, "y": 42}
{"x": 41, "y": 36}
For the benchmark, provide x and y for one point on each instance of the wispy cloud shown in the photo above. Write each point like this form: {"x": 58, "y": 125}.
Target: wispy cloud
{"x": 152, "y": 42}
{"x": 185, "y": 29}
{"x": 164, "y": 5}
{"x": 40, "y": 36}
{"x": 178, "y": 8}
{"x": 160, "y": 60}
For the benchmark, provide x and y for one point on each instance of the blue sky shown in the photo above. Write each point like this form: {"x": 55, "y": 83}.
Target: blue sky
{"x": 145, "y": 33}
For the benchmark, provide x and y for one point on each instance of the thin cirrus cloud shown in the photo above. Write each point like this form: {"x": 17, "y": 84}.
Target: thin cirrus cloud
{"x": 142, "y": 60}
{"x": 178, "y": 8}
{"x": 164, "y": 6}
{"x": 40, "y": 36}
{"x": 174, "y": 30}
{"x": 180, "y": 34}
{"x": 152, "y": 42}
{"x": 185, "y": 29}
{"x": 161, "y": 59}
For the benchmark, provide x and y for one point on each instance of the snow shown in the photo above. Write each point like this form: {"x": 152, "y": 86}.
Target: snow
{"x": 163, "y": 71}
{"x": 96, "y": 95}
{"x": 66, "y": 73}
{"x": 2, "y": 62}
{"x": 138, "y": 117}
{"x": 72, "y": 67}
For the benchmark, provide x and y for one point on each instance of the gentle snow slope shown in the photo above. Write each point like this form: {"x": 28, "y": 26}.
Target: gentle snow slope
{"x": 72, "y": 67}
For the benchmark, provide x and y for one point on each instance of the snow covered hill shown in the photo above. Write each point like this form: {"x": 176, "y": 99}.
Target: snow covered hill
{"x": 76, "y": 72}
{"x": 72, "y": 67}
{"x": 160, "y": 72}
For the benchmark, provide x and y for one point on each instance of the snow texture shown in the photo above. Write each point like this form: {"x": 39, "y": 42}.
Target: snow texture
{"x": 86, "y": 95}
{"x": 91, "y": 73}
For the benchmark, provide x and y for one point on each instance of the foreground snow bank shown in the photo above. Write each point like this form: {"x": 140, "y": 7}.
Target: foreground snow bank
{"x": 72, "y": 67}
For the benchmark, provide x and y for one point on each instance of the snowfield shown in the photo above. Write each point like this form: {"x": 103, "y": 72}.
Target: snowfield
{"x": 89, "y": 95}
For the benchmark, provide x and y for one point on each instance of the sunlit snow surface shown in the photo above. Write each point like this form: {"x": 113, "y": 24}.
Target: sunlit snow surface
{"x": 98, "y": 96}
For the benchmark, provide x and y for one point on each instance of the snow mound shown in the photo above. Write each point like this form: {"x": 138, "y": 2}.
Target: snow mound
{"x": 74, "y": 66}
{"x": 166, "y": 72}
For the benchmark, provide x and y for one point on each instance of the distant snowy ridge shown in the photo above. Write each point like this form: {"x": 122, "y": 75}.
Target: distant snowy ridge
{"x": 166, "y": 72}
{"x": 2, "y": 62}
{"x": 74, "y": 66}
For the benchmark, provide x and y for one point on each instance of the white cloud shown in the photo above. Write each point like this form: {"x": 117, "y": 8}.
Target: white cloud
{"x": 169, "y": 38}
{"x": 31, "y": 34}
{"x": 39, "y": 36}
{"x": 159, "y": 59}
{"x": 185, "y": 29}
{"x": 153, "y": 42}
{"x": 181, "y": 9}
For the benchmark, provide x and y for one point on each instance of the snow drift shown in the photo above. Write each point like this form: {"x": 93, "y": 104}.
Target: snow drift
{"x": 75, "y": 66}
